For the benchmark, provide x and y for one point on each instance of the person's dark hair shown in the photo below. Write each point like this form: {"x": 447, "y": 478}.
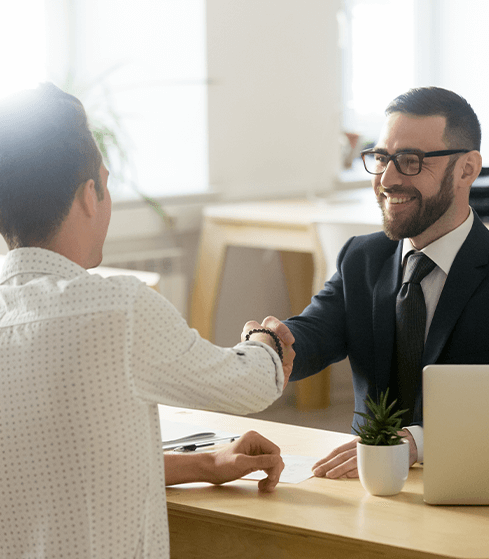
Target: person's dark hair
{"x": 462, "y": 130}
{"x": 46, "y": 152}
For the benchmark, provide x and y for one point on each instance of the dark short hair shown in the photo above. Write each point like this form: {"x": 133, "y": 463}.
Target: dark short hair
{"x": 46, "y": 152}
{"x": 462, "y": 128}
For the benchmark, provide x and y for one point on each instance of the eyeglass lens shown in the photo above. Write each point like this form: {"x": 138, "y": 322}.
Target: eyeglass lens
{"x": 406, "y": 163}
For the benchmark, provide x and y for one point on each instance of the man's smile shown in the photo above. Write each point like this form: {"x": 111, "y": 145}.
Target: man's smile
{"x": 398, "y": 199}
{"x": 394, "y": 198}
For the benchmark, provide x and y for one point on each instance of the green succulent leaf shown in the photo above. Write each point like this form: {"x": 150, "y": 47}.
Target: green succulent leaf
{"x": 382, "y": 425}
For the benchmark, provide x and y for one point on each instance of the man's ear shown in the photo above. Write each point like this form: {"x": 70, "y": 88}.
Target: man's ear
{"x": 472, "y": 165}
{"x": 87, "y": 197}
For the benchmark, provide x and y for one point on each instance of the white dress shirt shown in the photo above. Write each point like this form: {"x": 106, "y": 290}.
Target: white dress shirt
{"x": 443, "y": 252}
{"x": 84, "y": 362}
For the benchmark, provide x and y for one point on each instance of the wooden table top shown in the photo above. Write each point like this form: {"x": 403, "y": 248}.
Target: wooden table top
{"x": 319, "y": 507}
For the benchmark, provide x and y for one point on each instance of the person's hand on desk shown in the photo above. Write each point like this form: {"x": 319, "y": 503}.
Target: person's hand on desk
{"x": 250, "y": 453}
{"x": 284, "y": 334}
{"x": 342, "y": 461}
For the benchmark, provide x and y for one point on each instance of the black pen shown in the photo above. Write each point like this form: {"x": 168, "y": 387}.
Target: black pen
{"x": 194, "y": 447}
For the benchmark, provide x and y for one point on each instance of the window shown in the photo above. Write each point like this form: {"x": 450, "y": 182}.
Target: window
{"x": 378, "y": 40}
{"x": 137, "y": 66}
{"x": 389, "y": 46}
{"x": 146, "y": 62}
{"x": 23, "y": 45}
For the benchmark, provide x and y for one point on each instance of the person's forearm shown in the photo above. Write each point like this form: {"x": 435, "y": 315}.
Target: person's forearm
{"x": 191, "y": 372}
{"x": 188, "y": 467}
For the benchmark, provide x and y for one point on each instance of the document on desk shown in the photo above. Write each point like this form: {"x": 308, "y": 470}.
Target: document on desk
{"x": 297, "y": 469}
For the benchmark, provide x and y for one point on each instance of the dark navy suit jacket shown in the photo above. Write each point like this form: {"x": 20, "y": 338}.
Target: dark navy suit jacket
{"x": 354, "y": 315}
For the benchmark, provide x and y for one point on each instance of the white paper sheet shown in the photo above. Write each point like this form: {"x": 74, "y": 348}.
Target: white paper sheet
{"x": 297, "y": 469}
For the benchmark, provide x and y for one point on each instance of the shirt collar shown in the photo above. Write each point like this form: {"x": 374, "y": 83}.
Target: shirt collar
{"x": 39, "y": 261}
{"x": 443, "y": 250}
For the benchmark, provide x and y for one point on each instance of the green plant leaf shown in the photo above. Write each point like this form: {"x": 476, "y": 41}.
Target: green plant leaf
{"x": 381, "y": 427}
{"x": 106, "y": 125}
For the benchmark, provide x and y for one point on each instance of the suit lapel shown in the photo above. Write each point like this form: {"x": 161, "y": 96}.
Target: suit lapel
{"x": 384, "y": 316}
{"x": 469, "y": 268}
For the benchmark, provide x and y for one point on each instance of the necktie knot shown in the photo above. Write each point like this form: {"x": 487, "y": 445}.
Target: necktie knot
{"x": 418, "y": 266}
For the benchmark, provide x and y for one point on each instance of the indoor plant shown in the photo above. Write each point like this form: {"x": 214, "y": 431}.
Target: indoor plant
{"x": 382, "y": 454}
{"x": 106, "y": 125}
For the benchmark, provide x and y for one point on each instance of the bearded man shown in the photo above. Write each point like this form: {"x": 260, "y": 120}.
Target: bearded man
{"x": 422, "y": 168}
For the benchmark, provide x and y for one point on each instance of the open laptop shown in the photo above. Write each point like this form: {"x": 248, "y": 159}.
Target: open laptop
{"x": 456, "y": 434}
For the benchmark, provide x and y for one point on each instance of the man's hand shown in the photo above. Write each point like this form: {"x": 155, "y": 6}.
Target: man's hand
{"x": 413, "y": 450}
{"x": 250, "y": 453}
{"x": 342, "y": 461}
{"x": 285, "y": 336}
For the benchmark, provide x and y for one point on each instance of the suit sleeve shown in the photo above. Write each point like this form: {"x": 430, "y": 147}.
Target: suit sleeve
{"x": 320, "y": 330}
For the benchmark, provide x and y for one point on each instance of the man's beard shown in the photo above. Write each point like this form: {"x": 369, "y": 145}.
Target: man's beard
{"x": 429, "y": 209}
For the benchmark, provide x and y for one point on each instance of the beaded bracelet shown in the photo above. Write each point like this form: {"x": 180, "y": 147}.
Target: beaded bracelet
{"x": 273, "y": 335}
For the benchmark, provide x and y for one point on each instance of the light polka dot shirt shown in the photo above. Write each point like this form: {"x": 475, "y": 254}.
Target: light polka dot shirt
{"x": 84, "y": 361}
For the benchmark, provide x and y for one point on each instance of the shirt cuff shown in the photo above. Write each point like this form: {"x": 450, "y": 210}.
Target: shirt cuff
{"x": 279, "y": 372}
{"x": 417, "y": 433}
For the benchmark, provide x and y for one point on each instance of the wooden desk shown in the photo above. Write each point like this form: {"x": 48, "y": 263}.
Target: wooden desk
{"x": 317, "y": 518}
{"x": 291, "y": 227}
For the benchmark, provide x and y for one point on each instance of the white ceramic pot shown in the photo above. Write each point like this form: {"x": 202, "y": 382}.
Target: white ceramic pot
{"x": 383, "y": 470}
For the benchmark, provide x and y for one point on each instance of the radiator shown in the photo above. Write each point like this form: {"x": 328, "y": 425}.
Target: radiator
{"x": 166, "y": 262}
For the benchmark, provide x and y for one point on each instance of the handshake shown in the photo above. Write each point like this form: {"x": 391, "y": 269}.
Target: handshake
{"x": 278, "y": 338}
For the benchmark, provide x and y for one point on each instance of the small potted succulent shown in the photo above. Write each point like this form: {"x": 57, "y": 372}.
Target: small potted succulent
{"x": 382, "y": 454}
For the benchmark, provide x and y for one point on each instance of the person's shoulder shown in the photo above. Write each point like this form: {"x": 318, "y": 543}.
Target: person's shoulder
{"x": 479, "y": 228}
{"x": 374, "y": 244}
{"x": 112, "y": 282}
{"x": 112, "y": 291}
{"x": 366, "y": 255}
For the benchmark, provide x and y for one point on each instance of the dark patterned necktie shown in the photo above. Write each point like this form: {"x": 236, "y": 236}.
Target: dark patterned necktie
{"x": 410, "y": 330}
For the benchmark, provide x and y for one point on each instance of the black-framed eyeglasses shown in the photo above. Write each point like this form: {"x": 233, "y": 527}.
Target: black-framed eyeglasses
{"x": 407, "y": 162}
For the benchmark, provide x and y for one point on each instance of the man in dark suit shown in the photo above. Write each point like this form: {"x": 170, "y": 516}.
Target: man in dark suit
{"x": 422, "y": 169}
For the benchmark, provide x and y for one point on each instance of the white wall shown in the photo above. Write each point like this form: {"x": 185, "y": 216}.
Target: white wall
{"x": 274, "y": 96}
{"x": 274, "y": 128}
{"x": 273, "y": 106}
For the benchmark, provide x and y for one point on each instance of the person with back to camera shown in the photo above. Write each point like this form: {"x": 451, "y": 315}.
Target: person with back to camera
{"x": 85, "y": 360}
{"x": 416, "y": 293}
